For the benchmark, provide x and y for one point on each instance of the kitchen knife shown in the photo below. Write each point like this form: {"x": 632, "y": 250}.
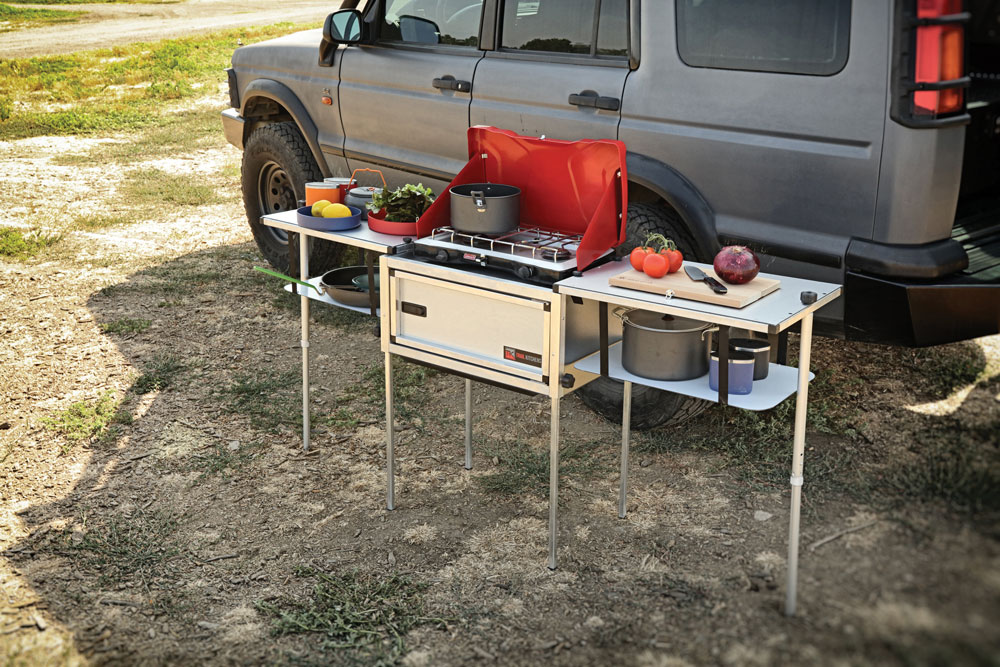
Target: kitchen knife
{"x": 694, "y": 273}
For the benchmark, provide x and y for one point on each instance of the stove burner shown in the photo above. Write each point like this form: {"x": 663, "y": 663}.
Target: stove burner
{"x": 532, "y": 242}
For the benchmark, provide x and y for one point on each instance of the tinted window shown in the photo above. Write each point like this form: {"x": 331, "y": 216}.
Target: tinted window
{"x": 566, "y": 26}
{"x": 793, "y": 36}
{"x": 447, "y": 22}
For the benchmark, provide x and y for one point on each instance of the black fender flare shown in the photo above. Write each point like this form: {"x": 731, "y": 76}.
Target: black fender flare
{"x": 284, "y": 96}
{"x": 672, "y": 187}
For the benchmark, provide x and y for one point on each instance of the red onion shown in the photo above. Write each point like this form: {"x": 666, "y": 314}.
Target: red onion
{"x": 736, "y": 264}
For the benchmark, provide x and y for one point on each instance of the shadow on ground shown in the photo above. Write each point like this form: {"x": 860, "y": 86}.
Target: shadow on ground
{"x": 198, "y": 530}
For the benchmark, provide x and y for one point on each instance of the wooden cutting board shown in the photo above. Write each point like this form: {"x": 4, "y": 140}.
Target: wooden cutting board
{"x": 738, "y": 296}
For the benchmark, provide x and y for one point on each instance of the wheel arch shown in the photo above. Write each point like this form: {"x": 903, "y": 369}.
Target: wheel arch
{"x": 656, "y": 180}
{"x": 266, "y": 100}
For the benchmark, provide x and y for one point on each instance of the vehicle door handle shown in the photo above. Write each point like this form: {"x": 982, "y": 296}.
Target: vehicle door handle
{"x": 451, "y": 83}
{"x": 589, "y": 98}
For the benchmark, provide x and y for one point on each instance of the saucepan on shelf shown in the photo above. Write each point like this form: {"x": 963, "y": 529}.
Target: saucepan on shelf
{"x": 664, "y": 347}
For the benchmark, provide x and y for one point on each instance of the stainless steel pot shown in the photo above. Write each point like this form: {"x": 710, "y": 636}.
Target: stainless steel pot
{"x": 485, "y": 208}
{"x": 664, "y": 347}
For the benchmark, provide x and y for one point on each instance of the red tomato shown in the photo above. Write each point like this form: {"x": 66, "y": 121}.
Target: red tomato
{"x": 638, "y": 256}
{"x": 674, "y": 259}
{"x": 655, "y": 265}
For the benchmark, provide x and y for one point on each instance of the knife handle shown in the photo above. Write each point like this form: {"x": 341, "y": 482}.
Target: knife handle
{"x": 716, "y": 286}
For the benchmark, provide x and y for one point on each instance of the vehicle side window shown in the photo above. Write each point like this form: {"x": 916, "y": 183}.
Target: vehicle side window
{"x": 566, "y": 26}
{"x": 790, "y": 36}
{"x": 441, "y": 22}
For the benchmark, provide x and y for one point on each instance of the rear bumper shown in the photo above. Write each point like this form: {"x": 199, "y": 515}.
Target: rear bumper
{"x": 917, "y": 314}
{"x": 232, "y": 125}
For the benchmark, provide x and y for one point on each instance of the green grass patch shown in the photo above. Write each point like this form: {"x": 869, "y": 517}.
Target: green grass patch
{"x": 125, "y": 325}
{"x": 360, "y": 618}
{"x": 158, "y": 374}
{"x": 95, "y": 2}
{"x": 153, "y": 187}
{"x": 267, "y": 397}
{"x": 17, "y": 244}
{"x": 118, "y": 88}
{"x": 83, "y": 420}
{"x": 104, "y": 220}
{"x": 17, "y": 18}
{"x": 518, "y": 468}
{"x": 138, "y": 546}
{"x": 367, "y": 397}
{"x": 175, "y": 278}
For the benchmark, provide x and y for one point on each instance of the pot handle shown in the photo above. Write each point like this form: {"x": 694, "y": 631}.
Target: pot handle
{"x": 708, "y": 331}
{"x": 479, "y": 197}
{"x": 621, "y": 312}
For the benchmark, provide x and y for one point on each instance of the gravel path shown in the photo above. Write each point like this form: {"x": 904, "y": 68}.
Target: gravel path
{"x": 111, "y": 24}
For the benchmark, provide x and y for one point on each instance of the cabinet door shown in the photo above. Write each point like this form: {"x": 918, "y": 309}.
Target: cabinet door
{"x": 405, "y": 100}
{"x": 559, "y": 71}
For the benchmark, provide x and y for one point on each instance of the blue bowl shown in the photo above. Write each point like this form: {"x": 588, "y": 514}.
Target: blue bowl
{"x": 320, "y": 224}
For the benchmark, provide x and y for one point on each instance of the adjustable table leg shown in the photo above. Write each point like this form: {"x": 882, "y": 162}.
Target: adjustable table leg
{"x": 798, "y": 451}
{"x": 304, "y": 306}
{"x": 390, "y": 436}
{"x": 626, "y": 437}
{"x": 468, "y": 424}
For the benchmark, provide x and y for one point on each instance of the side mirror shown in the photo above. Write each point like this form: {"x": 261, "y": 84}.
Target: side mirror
{"x": 343, "y": 27}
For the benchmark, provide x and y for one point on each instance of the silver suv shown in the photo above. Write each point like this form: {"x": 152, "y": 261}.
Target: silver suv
{"x": 851, "y": 142}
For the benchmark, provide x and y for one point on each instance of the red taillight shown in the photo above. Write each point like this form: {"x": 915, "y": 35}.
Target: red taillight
{"x": 938, "y": 58}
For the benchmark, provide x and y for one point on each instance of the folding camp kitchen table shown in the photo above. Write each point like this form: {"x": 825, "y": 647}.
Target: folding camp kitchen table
{"x": 367, "y": 241}
{"x": 773, "y": 315}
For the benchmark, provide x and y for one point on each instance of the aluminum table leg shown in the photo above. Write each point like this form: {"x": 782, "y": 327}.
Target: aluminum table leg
{"x": 390, "y": 436}
{"x": 304, "y": 304}
{"x": 468, "y": 424}
{"x": 626, "y": 437}
{"x": 553, "y": 478}
{"x": 798, "y": 451}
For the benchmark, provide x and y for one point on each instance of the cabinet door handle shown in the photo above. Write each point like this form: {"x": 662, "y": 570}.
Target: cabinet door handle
{"x": 451, "y": 83}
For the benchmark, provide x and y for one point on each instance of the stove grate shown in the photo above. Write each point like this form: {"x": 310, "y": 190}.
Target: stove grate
{"x": 533, "y": 242}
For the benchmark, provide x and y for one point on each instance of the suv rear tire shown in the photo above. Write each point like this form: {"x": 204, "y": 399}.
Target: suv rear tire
{"x": 277, "y": 164}
{"x": 651, "y": 408}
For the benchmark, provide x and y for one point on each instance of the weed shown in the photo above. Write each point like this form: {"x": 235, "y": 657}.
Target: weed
{"x": 521, "y": 469}
{"x": 136, "y": 545}
{"x": 125, "y": 325}
{"x": 158, "y": 374}
{"x": 959, "y": 466}
{"x": 83, "y": 420}
{"x": 154, "y": 186}
{"x": 265, "y": 397}
{"x": 20, "y": 245}
{"x": 364, "y": 615}
{"x": 222, "y": 460}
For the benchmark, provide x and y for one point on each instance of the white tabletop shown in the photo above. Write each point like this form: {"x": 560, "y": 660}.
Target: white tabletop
{"x": 359, "y": 237}
{"x": 772, "y": 314}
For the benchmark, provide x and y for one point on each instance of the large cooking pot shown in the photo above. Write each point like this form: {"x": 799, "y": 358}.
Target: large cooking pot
{"x": 664, "y": 347}
{"x": 485, "y": 208}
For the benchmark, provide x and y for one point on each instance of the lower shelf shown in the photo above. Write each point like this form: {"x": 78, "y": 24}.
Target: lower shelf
{"x": 319, "y": 296}
{"x": 780, "y": 383}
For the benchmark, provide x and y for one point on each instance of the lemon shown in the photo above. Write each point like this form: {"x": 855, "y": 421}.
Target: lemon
{"x": 318, "y": 207}
{"x": 337, "y": 211}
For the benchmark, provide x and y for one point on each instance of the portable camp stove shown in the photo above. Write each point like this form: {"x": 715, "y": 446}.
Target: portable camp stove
{"x": 532, "y": 254}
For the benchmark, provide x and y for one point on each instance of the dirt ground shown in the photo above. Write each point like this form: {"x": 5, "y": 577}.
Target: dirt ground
{"x": 172, "y": 536}
{"x": 106, "y": 25}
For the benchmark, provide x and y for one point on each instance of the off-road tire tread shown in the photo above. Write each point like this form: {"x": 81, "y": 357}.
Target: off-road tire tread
{"x": 651, "y": 408}
{"x": 284, "y": 138}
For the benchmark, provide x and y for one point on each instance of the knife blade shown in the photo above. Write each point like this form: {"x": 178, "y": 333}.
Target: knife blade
{"x": 696, "y": 274}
